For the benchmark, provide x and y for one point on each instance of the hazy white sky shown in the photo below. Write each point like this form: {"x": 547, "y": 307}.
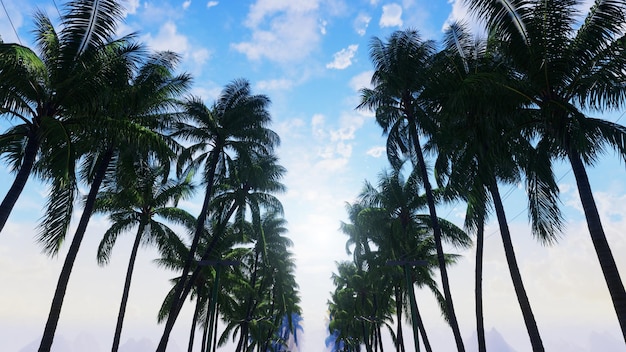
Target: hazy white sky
{"x": 310, "y": 57}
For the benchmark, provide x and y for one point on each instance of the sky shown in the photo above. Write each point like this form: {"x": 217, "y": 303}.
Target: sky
{"x": 311, "y": 58}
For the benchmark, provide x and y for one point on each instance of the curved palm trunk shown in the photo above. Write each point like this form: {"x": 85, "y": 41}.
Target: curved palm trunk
{"x": 601, "y": 245}
{"x": 186, "y": 286}
{"x": 68, "y": 264}
{"x": 129, "y": 276}
{"x": 418, "y": 323}
{"x": 194, "y": 321}
{"x": 30, "y": 154}
{"x": 181, "y": 293}
{"x": 437, "y": 236}
{"x": 399, "y": 337}
{"x": 480, "y": 325}
{"x": 516, "y": 277}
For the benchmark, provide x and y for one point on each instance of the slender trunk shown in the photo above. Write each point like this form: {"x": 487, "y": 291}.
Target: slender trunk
{"x": 240, "y": 344}
{"x": 205, "y": 334}
{"x": 437, "y": 236}
{"x": 516, "y": 277}
{"x": 213, "y": 303}
{"x": 194, "y": 320}
{"x": 215, "y": 327}
{"x": 179, "y": 296}
{"x": 125, "y": 292}
{"x": 185, "y": 287}
{"x": 480, "y": 325}
{"x": 399, "y": 337}
{"x": 30, "y": 154}
{"x": 416, "y": 317}
{"x": 380, "y": 338}
{"x": 422, "y": 330}
{"x": 600, "y": 243}
{"x": 64, "y": 277}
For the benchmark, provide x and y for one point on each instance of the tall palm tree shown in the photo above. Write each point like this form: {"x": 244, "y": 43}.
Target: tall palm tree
{"x": 134, "y": 201}
{"x": 406, "y": 234}
{"x": 401, "y": 69}
{"x": 42, "y": 89}
{"x": 480, "y": 145}
{"x": 128, "y": 114}
{"x": 247, "y": 189}
{"x": 233, "y": 127}
{"x": 568, "y": 68}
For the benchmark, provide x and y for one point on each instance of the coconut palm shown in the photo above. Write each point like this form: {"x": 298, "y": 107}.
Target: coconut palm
{"x": 393, "y": 210}
{"x": 42, "y": 88}
{"x": 479, "y": 143}
{"x": 401, "y": 70}
{"x": 567, "y": 69}
{"x": 134, "y": 201}
{"x": 247, "y": 189}
{"x": 128, "y": 116}
{"x": 233, "y": 127}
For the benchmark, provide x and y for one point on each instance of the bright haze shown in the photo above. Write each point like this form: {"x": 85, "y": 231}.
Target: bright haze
{"x": 311, "y": 58}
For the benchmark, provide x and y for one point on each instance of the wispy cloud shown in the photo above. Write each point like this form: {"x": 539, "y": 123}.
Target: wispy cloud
{"x": 343, "y": 58}
{"x": 362, "y": 80}
{"x": 392, "y": 16}
{"x": 130, "y": 7}
{"x": 211, "y": 4}
{"x": 168, "y": 38}
{"x": 275, "y": 84}
{"x": 376, "y": 152}
{"x": 282, "y": 31}
{"x": 361, "y": 23}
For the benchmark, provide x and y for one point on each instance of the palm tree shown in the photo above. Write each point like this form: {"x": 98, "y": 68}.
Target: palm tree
{"x": 568, "y": 68}
{"x": 392, "y": 210}
{"x": 42, "y": 90}
{"x": 233, "y": 127}
{"x": 134, "y": 200}
{"x": 478, "y": 148}
{"x": 401, "y": 69}
{"x": 128, "y": 116}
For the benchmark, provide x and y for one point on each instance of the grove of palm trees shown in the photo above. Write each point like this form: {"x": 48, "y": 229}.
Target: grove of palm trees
{"x": 116, "y": 138}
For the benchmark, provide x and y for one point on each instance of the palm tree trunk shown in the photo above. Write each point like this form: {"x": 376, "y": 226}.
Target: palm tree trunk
{"x": 217, "y": 305}
{"x": 30, "y": 154}
{"x": 600, "y": 243}
{"x": 205, "y": 334}
{"x": 437, "y": 236}
{"x": 194, "y": 320}
{"x": 418, "y": 323}
{"x": 129, "y": 276}
{"x": 516, "y": 277}
{"x": 480, "y": 325}
{"x": 399, "y": 337}
{"x": 68, "y": 264}
{"x": 180, "y": 295}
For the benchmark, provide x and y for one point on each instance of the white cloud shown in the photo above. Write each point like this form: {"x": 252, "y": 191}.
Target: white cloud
{"x": 168, "y": 38}
{"x": 343, "y": 58}
{"x": 361, "y": 23}
{"x": 323, "y": 25}
{"x": 362, "y": 80}
{"x": 317, "y": 125}
{"x": 275, "y": 84}
{"x": 282, "y": 30}
{"x": 392, "y": 16}
{"x": 186, "y": 4}
{"x": 376, "y": 152}
{"x": 131, "y": 7}
{"x": 211, "y": 4}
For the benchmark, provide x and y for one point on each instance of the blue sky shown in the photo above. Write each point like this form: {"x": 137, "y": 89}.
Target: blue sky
{"x": 310, "y": 57}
